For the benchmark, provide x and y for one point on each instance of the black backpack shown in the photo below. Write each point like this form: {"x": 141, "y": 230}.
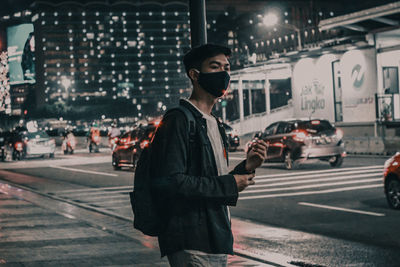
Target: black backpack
{"x": 146, "y": 216}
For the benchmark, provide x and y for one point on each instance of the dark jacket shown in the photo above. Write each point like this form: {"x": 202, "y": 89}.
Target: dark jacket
{"x": 191, "y": 195}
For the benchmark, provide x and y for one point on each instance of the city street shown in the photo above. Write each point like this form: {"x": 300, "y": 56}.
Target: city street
{"x": 314, "y": 214}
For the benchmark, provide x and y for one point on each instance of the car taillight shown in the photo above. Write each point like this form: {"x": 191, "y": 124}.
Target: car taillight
{"x": 339, "y": 134}
{"x": 299, "y": 136}
{"x": 18, "y": 146}
{"x": 144, "y": 144}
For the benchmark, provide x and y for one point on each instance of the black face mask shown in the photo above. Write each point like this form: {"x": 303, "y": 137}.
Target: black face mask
{"x": 214, "y": 83}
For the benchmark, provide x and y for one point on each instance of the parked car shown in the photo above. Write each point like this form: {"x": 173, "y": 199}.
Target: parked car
{"x": 233, "y": 138}
{"x": 130, "y": 144}
{"x": 391, "y": 180}
{"x": 25, "y": 144}
{"x": 295, "y": 141}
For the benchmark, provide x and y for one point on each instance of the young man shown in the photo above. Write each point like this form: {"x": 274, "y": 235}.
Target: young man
{"x": 191, "y": 181}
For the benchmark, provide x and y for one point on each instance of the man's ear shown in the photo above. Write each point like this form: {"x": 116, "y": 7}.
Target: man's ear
{"x": 194, "y": 74}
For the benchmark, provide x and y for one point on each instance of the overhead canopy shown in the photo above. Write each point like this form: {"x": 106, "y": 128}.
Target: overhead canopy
{"x": 368, "y": 20}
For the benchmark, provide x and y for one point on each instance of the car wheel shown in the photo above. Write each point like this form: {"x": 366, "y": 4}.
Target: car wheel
{"x": 336, "y": 161}
{"x": 392, "y": 191}
{"x": 115, "y": 163}
{"x": 289, "y": 162}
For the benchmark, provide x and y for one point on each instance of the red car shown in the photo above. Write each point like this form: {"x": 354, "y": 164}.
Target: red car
{"x": 127, "y": 150}
{"x": 391, "y": 174}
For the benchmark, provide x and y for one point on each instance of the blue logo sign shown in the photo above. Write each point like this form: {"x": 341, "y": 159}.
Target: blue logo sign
{"x": 357, "y": 76}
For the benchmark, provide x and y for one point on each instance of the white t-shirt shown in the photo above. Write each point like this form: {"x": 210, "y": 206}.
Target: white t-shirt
{"x": 216, "y": 142}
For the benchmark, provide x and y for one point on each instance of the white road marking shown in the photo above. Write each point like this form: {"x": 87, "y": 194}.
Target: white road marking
{"x": 93, "y": 189}
{"x": 378, "y": 167}
{"x": 341, "y": 189}
{"x": 312, "y": 186}
{"x": 84, "y": 171}
{"x": 298, "y": 181}
{"x": 341, "y": 209}
{"x": 299, "y": 178}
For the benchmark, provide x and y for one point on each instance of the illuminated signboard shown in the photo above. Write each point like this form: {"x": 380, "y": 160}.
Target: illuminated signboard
{"x": 21, "y": 53}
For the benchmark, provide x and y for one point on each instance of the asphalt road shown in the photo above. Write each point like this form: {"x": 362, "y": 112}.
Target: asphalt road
{"x": 318, "y": 214}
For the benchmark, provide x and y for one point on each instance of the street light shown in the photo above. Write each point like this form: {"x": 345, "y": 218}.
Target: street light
{"x": 271, "y": 19}
{"x": 66, "y": 83}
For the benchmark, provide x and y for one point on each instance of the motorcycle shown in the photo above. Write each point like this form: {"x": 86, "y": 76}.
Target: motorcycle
{"x": 69, "y": 144}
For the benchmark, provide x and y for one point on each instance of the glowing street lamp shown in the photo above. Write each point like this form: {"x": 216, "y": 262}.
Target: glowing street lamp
{"x": 66, "y": 83}
{"x": 271, "y": 19}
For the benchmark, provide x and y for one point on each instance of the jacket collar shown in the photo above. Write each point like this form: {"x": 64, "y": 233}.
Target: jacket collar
{"x": 190, "y": 107}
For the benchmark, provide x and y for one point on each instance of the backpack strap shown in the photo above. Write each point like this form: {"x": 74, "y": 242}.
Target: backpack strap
{"x": 191, "y": 122}
{"x": 192, "y": 131}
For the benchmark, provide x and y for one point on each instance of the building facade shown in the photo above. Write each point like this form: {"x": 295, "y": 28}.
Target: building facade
{"x": 120, "y": 59}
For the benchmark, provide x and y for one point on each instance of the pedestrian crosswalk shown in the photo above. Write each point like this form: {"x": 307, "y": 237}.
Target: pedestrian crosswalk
{"x": 301, "y": 183}
{"x": 314, "y": 182}
{"x": 111, "y": 200}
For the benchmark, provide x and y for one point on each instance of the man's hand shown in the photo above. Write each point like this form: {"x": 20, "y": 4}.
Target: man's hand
{"x": 244, "y": 180}
{"x": 256, "y": 155}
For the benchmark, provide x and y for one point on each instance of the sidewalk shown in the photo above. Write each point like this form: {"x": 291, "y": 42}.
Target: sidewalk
{"x": 37, "y": 230}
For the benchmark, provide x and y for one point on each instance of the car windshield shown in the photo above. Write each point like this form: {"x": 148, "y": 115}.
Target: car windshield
{"x": 315, "y": 126}
{"x": 37, "y": 135}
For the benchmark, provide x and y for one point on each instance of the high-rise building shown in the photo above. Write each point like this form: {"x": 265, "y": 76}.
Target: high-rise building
{"x": 120, "y": 59}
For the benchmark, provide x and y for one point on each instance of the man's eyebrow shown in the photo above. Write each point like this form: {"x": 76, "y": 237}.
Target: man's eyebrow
{"x": 218, "y": 63}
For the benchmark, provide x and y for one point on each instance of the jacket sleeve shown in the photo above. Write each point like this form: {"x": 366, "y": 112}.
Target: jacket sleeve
{"x": 170, "y": 144}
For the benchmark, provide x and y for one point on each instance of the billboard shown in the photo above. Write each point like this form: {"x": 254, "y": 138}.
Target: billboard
{"x": 21, "y": 53}
{"x": 359, "y": 83}
{"x": 313, "y": 89}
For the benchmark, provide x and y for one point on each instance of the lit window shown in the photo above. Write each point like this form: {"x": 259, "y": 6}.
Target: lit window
{"x": 44, "y": 40}
{"x": 166, "y": 71}
{"x": 163, "y": 13}
{"x": 71, "y": 56}
{"x": 150, "y": 13}
{"x": 164, "y": 38}
{"x": 58, "y": 65}
{"x": 97, "y": 13}
{"x": 57, "y": 48}
{"x": 153, "y": 71}
{"x": 165, "y": 62}
{"x": 166, "y": 79}
{"x": 55, "y": 14}
{"x": 114, "y": 89}
{"x": 124, "y": 14}
{"x": 125, "y": 30}
{"x": 85, "y": 64}
{"x": 43, "y": 22}
{"x": 45, "y": 65}
{"x": 56, "y": 22}
{"x": 113, "y": 55}
{"x": 153, "y": 79}
{"x": 125, "y": 47}
{"x": 167, "y": 87}
{"x": 111, "y": 30}
{"x": 152, "y": 63}
{"x": 126, "y": 63}
{"x": 140, "y": 88}
{"x": 83, "y": 14}
{"x": 70, "y": 30}
{"x": 86, "y": 81}
{"x": 176, "y": 13}
{"x": 164, "y": 30}
{"x": 137, "y": 22}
